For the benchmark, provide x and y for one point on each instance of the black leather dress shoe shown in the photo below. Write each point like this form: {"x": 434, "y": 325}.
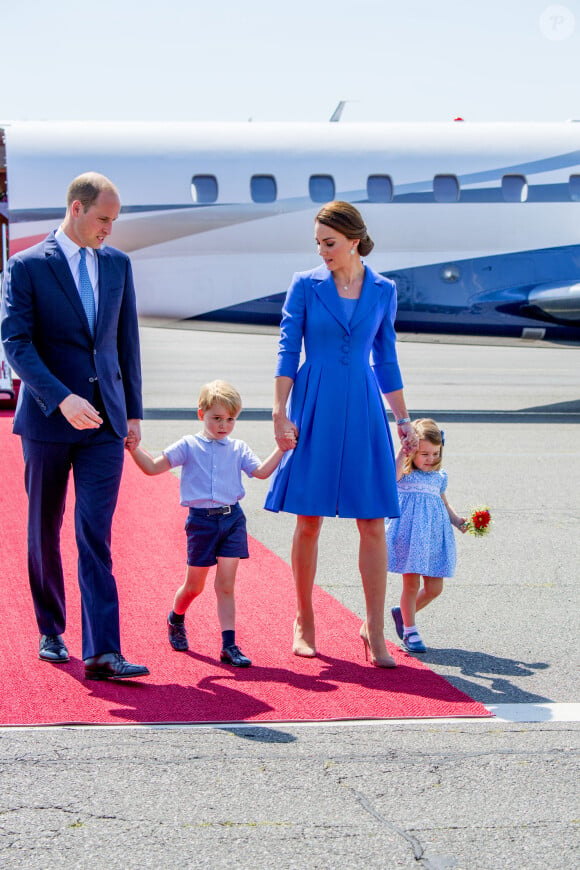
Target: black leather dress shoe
{"x": 52, "y": 649}
{"x": 112, "y": 666}
{"x": 234, "y": 656}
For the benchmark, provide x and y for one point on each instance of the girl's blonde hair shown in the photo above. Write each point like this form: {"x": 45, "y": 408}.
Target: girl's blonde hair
{"x": 426, "y": 430}
{"x": 220, "y": 392}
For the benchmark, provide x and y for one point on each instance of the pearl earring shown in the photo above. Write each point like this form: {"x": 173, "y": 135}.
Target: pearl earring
{"x": 352, "y": 251}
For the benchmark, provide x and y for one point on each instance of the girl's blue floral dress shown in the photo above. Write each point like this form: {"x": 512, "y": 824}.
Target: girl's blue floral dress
{"x": 421, "y": 540}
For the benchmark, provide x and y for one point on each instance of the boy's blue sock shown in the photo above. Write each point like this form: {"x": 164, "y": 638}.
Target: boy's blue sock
{"x": 228, "y": 638}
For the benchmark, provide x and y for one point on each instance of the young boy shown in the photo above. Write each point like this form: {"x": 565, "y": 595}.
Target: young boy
{"x": 211, "y": 487}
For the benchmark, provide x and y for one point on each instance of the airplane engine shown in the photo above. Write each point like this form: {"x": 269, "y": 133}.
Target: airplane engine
{"x": 559, "y": 301}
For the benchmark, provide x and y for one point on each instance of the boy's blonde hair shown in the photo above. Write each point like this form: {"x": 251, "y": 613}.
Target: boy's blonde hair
{"x": 220, "y": 392}
{"x": 426, "y": 430}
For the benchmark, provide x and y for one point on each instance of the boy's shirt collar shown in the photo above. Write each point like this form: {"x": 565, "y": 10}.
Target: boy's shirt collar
{"x": 203, "y": 437}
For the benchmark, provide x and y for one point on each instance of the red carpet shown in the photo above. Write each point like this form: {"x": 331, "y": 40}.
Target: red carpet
{"x": 149, "y": 559}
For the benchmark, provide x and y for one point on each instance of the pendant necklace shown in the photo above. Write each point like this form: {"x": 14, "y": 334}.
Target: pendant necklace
{"x": 346, "y": 286}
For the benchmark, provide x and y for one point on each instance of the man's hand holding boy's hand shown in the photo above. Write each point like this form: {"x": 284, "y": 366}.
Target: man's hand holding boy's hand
{"x": 133, "y": 438}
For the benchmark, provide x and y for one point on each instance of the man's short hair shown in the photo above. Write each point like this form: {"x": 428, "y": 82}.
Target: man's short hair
{"x": 87, "y": 188}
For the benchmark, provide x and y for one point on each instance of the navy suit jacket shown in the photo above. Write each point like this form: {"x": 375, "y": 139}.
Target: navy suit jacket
{"x": 48, "y": 343}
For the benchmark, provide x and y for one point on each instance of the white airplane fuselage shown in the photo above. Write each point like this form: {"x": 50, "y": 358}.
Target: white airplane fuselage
{"x": 491, "y": 245}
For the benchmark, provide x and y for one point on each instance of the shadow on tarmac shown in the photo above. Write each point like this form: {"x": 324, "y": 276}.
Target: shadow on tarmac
{"x": 493, "y": 670}
{"x": 261, "y": 734}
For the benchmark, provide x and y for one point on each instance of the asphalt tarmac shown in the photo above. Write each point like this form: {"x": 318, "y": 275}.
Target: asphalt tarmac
{"x": 434, "y": 794}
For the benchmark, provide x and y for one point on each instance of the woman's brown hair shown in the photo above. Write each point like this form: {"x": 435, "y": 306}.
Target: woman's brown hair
{"x": 346, "y": 219}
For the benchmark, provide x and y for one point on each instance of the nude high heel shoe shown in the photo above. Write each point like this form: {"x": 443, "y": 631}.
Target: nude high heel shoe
{"x": 382, "y": 661}
{"x": 300, "y": 646}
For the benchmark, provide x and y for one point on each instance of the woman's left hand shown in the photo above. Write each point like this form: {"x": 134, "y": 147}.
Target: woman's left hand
{"x": 408, "y": 438}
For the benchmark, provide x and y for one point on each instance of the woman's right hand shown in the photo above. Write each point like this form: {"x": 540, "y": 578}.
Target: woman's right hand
{"x": 285, "y": 432}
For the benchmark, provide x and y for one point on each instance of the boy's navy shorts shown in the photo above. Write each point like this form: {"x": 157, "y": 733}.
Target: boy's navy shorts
{"x": 215, "y": 535}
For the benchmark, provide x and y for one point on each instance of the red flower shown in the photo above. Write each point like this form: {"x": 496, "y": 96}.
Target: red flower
{"x": 481, "y": 519}
{"x": 479, "y": 522}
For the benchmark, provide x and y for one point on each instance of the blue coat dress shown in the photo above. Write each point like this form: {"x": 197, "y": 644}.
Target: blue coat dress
{"x": 343, "y": 463}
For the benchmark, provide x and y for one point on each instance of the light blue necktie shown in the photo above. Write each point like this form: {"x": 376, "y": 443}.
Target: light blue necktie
{"x": 86, "y": 291}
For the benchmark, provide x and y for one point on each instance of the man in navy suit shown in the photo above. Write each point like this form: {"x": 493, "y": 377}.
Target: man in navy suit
{"x": 70, "y": 331}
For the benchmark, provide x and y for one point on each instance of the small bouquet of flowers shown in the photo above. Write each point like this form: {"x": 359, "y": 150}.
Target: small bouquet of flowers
{"x": 479, "y": 522}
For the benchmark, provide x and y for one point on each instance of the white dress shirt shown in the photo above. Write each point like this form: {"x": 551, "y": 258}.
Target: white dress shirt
{"x": 71, "y": 251}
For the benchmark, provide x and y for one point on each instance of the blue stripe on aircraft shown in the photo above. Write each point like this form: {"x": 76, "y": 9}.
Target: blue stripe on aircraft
{"x": 485, "y": 295}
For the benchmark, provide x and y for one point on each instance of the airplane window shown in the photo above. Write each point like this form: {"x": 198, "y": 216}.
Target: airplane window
{"x": 204, "y": 189}
{"x": 574, "y": 185}
{"x": 263, "y": 188}
{"x": 321, "y": 188}
{"x": 380, "y": 188}
{"x": 514, "y": 188}
{"x": 445, "y": 188}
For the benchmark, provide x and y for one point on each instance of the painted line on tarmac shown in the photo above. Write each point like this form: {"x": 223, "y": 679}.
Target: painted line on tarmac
{"x": 516, "y": 713}
{"x": 535, "y": 712}
{"x": 530, "y": 415}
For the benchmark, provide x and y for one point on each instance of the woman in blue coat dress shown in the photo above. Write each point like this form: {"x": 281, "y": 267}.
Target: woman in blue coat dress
{"x": 342, "y": 460}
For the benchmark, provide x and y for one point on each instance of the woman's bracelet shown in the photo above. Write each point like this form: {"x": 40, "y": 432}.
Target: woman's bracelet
{"x": 403, "y": 420}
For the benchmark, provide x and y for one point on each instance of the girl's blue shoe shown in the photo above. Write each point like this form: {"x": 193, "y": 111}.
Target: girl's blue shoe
{"x": 413, "y": 643}
{"x": 398, "y": 620}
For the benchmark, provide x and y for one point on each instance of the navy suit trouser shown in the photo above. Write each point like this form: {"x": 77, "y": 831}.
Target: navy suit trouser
{"x": 96, "y": 462}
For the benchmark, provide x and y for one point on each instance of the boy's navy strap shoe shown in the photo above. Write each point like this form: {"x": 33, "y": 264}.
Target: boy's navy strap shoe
{"x": 177, "y": 635}
{"x": 233, "y": 655}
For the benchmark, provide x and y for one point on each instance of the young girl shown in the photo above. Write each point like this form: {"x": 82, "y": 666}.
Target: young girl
{"x": 420, "y": 542}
